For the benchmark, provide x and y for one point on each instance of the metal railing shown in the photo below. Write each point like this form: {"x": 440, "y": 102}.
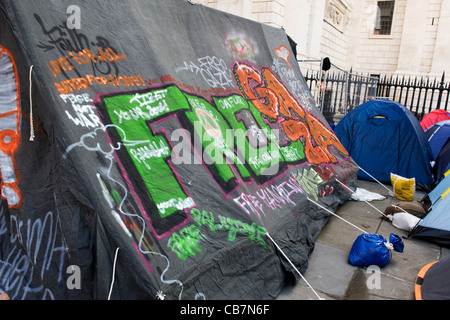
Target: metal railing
{"x": 420, "y": 95}
{"x": 337, "y": 91}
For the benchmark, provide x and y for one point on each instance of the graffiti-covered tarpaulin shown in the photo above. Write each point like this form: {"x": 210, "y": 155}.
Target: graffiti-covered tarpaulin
{"x": 153, "y": 149}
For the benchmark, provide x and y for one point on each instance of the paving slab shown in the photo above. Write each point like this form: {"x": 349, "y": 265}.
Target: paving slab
{"x": 417, "y": 253}
{"x": 328, "y": 276}
{"x": 331, "y": 275}
{"x": 376, "y": 285}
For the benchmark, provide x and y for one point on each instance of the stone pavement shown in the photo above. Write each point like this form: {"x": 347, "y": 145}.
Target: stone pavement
{"x": 333, "y": 278}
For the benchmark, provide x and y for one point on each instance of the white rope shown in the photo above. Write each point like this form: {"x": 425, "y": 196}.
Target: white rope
{"x": 391, "y": 193}
{"x": 290, "y": 262}
{"x": 400, "y": 208}
{"x": 331, "y": 212}
{"x": 396, "y": 207}
{"x": 31, "y": 105}
{"x": 363, "y": 200}
{"x": 113, "y": 274}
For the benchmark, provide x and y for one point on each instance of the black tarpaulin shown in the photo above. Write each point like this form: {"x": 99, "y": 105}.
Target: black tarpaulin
{"x": 148, "y": 148}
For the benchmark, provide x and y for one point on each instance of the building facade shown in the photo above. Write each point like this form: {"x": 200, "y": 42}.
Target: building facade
{"x": 415, "y": 41}
{"x": 377, "y": 37}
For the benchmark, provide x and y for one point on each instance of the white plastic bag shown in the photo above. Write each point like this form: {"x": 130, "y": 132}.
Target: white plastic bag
{"x": 404, "y": 221}
{"x": 364, "y": 195}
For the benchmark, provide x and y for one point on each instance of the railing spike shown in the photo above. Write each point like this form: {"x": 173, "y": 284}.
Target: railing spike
{"x": 419, "y": 90}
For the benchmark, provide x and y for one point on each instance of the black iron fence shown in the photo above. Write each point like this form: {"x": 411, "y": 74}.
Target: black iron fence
{"x": 337, "y": 93}
{"x": 420, "y": 95}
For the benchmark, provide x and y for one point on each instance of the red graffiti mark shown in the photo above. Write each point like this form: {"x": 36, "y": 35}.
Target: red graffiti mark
{"x": 284, "y": 54}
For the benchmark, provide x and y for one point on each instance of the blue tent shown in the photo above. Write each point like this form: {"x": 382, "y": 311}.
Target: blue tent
{"x": 439, "y": 139}
{"x": 437, "y": 135}
{"x": 435, "y": 227}
{"x": 384, "y": 137}
{"x": 442, "y": 164}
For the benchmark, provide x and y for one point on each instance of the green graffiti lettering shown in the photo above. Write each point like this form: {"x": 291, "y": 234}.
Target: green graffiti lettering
{"x": 185, "y": 243}
{"x": 216, "y": 137}
{"x": 233, "y": 227}
{"x": 254, "y": 140}
{"x": 141, "y": 121}
{"x": 253, "y": 135}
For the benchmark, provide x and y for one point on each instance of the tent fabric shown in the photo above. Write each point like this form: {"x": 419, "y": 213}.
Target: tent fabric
{"x": 433, "y": 117}
{"x": 442, "y": 164}
{"x": 384, "y": 137}
{"x": 440, "y": 189}
{"x": 157, "y": 144}
{"x": 439, "y": 138}
{"x": 437, "y": 135}
{"x": 435, "y": 227}
{"x": 433, "y": 281}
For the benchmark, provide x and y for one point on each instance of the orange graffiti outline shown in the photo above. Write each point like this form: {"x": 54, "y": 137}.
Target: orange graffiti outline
{"x": 11, "y": 147}
{"x": 271, "y": 97}
{"x": 279, "y": 50}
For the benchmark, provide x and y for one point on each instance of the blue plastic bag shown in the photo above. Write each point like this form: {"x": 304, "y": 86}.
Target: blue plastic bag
{"x": 397, "y": 243}
{"x": 372, "y": 249}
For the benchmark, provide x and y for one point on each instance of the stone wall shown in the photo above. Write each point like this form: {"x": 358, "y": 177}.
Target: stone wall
{"x": 344, "y": 31}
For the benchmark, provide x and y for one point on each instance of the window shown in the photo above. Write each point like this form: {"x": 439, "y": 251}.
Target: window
{"x": 385, "y": 15}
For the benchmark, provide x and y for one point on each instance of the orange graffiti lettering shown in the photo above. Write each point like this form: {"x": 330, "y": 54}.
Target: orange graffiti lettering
{"x": 315, "y": 154}
{"x": 79, "y": 84}
{"x": 251, "y": 84}
{"x": 271, "y": 97}
{"x": 62, "y": 63}
{"x": 286, "y": 101}
{"x": 81, "y": 57}
{"x": 325, "y": 137}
